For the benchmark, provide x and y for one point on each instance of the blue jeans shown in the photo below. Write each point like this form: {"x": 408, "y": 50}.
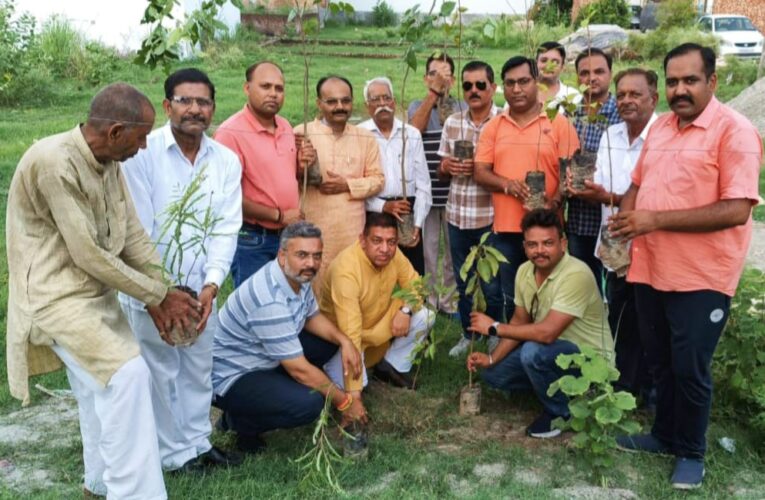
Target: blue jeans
{"x": 265, "y": 400}
{"x": 531, "y": 366}
{"x": 254, "y": 248}
{"x": 460, "y": 241}
{"x": 511, "y": 246}
{"x": 680, "y": 331}
{"x": 583, "y": 248}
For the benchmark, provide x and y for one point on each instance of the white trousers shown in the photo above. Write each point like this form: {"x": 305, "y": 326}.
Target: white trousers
{"x": 435, "y": 224}
{"x": 181, "y": 389}
{"x": 119, "y": 444}
{"x": 399, "y": 354}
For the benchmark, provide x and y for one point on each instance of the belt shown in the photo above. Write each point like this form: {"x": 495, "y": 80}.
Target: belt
{"x": 410, "y": 199}
{"x": 246, "y": 226}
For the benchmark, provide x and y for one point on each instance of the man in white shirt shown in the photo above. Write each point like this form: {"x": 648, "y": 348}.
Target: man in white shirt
{"x": 176, "y": 155}
{"x": 389, "y": 132}
{"x": 619, "y": 150}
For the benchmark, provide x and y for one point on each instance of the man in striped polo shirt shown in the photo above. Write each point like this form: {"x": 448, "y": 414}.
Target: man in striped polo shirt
{"x": 272, "y": 343}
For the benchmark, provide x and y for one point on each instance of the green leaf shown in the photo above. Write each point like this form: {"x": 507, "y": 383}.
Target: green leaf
{"x": 579, "y": 409}
{"x": 608, "y": 415}
{"x": 484, "y": 237}
{"x": 577, "y": 424}
{"x": 580, "y": 440}
{"x": 292, "y": 15}
{"x": 596, "y": 370}
{"x": 573, "y": 386}
{"x": 496, "y": 254}
{"x": 468, "y": 265}
{"x": 484, "y": 270}
{"x": 447, "y": 8}
{"x": 411, "y": 58}
{"x": 564, "y": 360}
{"x": 624, "y": 401}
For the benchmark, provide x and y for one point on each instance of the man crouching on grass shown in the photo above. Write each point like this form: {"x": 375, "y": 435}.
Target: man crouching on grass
{"x": 557, "y": 310}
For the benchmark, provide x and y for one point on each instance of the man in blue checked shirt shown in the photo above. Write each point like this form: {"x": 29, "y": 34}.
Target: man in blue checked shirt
{"x": 593, "y": 68}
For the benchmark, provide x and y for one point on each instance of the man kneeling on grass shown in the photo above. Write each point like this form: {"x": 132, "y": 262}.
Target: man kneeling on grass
{"x": 557, "y": 309}
{"x": 271, "y": 344}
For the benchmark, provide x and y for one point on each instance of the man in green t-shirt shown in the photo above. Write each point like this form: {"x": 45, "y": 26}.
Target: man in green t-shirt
{"x": 557, "y": 310}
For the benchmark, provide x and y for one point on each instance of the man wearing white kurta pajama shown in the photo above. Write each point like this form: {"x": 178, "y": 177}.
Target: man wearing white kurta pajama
{"x": 175, "y": 155}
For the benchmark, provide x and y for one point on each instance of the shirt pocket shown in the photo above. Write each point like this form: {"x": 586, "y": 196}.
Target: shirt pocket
{"x": 285, "y": 145}
{"x": 693, "y": 178}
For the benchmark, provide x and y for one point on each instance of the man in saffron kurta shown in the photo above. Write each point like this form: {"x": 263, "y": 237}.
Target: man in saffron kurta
{"x": 73, "y": 239}
{"x": 357, "y": 297}
{"x": 349, "y": 158}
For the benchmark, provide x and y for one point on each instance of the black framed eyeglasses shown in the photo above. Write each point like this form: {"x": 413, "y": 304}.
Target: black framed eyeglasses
{"x": 480, "y": 85}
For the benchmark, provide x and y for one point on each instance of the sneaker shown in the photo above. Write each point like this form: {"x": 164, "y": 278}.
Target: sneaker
{"x": 542, "y": 428}
{"x": 385, "y": 372}
{"x": 460, "y": 347}
{"x": 688, "y": 473}
{"x": 642, "y": 442}
{"x": 491, "y": 344}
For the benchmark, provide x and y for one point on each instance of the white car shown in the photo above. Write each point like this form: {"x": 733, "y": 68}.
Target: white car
{"x": 738, "y": 36}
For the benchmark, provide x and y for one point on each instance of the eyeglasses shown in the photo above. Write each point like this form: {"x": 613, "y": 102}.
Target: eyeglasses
{"x": 521, "y": 82}
{"x": 187, "y": 102}
{"x": 345, "y": 101}
{"x": 468, "y": 86}
{"x": 380, "y": 99}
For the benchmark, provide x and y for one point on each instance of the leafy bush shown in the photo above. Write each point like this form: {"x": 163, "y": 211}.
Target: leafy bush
{"x": 383, "y": 15}
{"x": 676, "y": 13}
{"x": 551, "y": 12}
{"x": 605, "y": 12}
{"x": 508, "y": 32}
{"x": 19, "y": 80}
{"x": 739, "y": 362}
{"x": 656, "y": 44}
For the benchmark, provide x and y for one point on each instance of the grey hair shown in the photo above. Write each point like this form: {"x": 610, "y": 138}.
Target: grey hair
{"x": 300, "y": 229}
{"x": 380, "y": 79}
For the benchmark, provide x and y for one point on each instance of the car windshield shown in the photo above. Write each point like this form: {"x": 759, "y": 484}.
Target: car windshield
{"x": 734, "y": 24}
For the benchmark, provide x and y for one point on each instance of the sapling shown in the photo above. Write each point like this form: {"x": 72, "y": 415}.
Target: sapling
{"x": 613, "y": 252}
{"x": 179, "y": 218}
{"x": 481, "y": 265}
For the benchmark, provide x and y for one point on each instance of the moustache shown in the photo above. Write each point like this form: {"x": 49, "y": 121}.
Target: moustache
{"x": 628, "y": 109}
{"x": 193, "y": 118}
{"x": 474, "y": 96}
{"x": 383, "y": 108}
{"x": 681, "y": 98}
{"x": 340, "y": 112}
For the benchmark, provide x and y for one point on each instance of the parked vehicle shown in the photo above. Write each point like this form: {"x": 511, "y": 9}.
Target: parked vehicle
{"x": 738, "y": 36}
{"x": 648, "y": 16}
{"x": 635, "y": 16}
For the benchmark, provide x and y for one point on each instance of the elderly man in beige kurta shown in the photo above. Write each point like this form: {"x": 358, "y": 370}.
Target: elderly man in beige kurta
{"x": 349, "y": 158}
{"x": 73, "y": 239}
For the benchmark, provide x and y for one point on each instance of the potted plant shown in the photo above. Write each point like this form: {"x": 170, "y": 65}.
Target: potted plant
{"x": 481, "y": 265}
{"x": 180, "y": 216}
{"x": 613, "y": 252}
{"x": 412, "y": 30}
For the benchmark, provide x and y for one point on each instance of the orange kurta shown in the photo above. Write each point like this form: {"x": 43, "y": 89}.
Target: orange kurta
{"x": 355, "y": 156}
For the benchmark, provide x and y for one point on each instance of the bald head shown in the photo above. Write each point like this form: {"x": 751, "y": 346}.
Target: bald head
{"x": 120, "y": 103}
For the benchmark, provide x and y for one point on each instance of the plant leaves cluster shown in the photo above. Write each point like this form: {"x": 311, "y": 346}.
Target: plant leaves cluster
{"x": 739, "y": 362}
{"x": 598, "y": 413}
{"x": 481, "y": 265}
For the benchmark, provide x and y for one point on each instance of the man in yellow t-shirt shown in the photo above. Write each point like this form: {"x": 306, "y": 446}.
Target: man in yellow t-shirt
{"x": 557, "y": 310}
{"x": 357, "y": 297}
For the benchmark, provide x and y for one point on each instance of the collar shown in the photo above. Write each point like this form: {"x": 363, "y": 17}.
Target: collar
{"x": 86, "y": 152}
{"x": 397, "y": 125}
{"x": 321, "y": 121}
{"x": 467, "y": 116}
{"x": 607, "y": 108}
{"x": 704, "y": 120}
{"x": 169, "y": 138}
{"x": 621, "y": 128}
{"x": 553, "y": 275}
{"x": 363, "y": 257}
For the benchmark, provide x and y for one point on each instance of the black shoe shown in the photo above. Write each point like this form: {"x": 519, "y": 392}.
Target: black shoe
{"x": 215, "y": 457}
{"x": 385, "y": 372}
{"x": 542, "y": 428}
{"x": 250, "y": 444}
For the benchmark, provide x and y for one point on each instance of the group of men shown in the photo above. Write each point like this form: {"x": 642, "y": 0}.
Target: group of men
{"x": 314, "y": 271}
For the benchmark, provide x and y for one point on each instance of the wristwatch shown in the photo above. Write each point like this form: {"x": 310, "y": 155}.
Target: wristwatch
{"x": 406, "y": 310}
{"x": 493, "y": 329}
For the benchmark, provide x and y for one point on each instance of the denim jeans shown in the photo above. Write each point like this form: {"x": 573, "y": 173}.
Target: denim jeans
{"x": 680, "y": 331}
{"x": 264, "y": 400}
{"x": 254, "y": 248}
{"x": 583, "y": 248}
{"x": 460, "y": 241}
{"x": 511, "y": 246}
{"x": 531, "y": 366}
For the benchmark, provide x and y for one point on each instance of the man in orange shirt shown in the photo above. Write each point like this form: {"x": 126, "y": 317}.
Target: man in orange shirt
{"x": 512, "y": 144}
{"x": 688, "y": 212}
{"x": 265, "y": 145}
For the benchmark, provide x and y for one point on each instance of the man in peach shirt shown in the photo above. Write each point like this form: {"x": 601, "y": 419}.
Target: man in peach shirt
{"x": 265, "y": 145}
{"x": 520, "y": 140}
{"x": 688, "y": 212}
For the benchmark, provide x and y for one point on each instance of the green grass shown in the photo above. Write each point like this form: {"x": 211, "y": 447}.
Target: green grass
{"x": 420, "y": 447}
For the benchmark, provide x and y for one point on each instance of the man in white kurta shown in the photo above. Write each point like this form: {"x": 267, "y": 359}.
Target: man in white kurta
{"x": 390, "y": 133}
{"x": 175, "y": 155}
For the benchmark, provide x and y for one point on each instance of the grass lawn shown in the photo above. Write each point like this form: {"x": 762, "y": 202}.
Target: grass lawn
{"x": 420, "y": 447}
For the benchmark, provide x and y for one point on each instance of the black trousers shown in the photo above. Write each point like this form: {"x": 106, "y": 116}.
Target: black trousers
{"x": 416, "y": 253}
{"x": 264, "y": 400}
{"x": 680, "y": 331}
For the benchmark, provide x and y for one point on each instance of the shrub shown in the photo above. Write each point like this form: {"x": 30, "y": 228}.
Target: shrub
{"x": 739, "y": 362}
{"x": 509, "y": 33}
{"x": 676, "y": 13}
{"x": 551, "y": 12}
{"x": 656, "y": 44}
{"x": 605, "y": 12}
{"x": 19, "y": 80}
{"x": 383, "y": 15}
